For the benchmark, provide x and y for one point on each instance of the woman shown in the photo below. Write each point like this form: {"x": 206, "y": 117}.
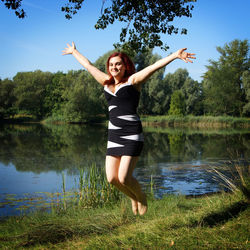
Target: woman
{"x": 122, "y": 87}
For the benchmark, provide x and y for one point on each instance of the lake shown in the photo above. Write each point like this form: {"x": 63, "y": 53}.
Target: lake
{"x": 34, "y": 157}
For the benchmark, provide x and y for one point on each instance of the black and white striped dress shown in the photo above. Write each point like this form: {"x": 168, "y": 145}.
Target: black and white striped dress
{"x": 124, "y": 130}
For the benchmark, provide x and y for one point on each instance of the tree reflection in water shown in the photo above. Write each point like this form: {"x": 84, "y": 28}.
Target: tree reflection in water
{"x": 176, "y": 158}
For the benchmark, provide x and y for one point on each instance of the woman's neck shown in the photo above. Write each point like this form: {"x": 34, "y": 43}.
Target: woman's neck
{"x": 119, "y": 81}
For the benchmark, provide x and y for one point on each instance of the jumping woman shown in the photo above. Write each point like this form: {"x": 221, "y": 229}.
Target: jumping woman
{"x": 122, "y": 86}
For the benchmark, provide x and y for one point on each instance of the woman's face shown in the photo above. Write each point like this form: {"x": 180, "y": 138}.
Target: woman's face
{"x": 117, "y": 67}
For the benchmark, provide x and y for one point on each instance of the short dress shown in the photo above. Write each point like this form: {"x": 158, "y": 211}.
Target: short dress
{"x": 125, "y": 135}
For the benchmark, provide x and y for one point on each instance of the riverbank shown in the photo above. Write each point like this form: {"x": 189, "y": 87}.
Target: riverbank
{"x": 216, "y": 122}
{"x": 202, "y": 122}
{"x": 219, "y": 221}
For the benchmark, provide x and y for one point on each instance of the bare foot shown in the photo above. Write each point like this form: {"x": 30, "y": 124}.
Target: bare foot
{"x": 142, "y": 205}
{"x": 134, "y": 206}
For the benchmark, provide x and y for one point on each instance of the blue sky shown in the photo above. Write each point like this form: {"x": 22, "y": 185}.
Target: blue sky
{"x": 37, "y": 41}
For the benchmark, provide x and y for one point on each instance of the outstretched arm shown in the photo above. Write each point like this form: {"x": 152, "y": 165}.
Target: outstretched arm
{"x": 100, "y": 76}
{"x": 144, "y": 74}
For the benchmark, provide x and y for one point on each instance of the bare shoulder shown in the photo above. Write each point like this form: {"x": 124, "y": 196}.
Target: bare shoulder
{"x": 142, "y": 75}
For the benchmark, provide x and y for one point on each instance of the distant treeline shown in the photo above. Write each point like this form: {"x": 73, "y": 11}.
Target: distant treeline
{"x": 76, "y": 97}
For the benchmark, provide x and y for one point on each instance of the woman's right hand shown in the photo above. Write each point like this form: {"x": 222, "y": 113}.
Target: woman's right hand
{"x": 70, "y": 49}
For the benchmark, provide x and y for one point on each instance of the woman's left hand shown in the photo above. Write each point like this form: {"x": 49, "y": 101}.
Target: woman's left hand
{"x": 70, "y": 49}
{"x": 183, "y": 55}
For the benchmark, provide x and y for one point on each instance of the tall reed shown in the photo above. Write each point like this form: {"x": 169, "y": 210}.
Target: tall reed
{"x": 235, "y": 178}
{"x": 64, "y": 190}
{"x": 92, "y": 190}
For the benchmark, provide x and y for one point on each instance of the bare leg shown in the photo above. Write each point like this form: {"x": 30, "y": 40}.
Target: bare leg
{"x": 125, "y": 176}
{"x": 112, "y": 169}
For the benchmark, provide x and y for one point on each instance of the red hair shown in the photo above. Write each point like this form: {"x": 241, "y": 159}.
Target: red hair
{"x": 129, "y": 65}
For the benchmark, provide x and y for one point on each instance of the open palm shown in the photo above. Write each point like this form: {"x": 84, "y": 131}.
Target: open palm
{"x": 183, "y": 55}
{"x": 69, "y": 50}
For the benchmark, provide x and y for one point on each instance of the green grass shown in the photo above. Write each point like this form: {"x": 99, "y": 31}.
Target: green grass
{"x": 20, "y": 118}
{"x": 210, "y": 222}
{"x": 60, "y": 119}
{"x": 197, "y": 121}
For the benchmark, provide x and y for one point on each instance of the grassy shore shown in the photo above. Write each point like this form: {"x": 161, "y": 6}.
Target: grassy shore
{"x": 219, "y": 221}
{"x": 216, "y": 122}
{"x": 197, "y": 121}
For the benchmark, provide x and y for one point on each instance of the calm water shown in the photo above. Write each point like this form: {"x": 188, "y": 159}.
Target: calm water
{"x": 33, "y": 158}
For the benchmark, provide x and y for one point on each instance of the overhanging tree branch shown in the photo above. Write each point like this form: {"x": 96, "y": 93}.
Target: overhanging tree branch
{"x": 144, "y": 20}
{"x": 15, "y": 5}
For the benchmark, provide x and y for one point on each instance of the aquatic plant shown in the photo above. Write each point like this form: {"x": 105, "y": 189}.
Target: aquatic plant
{"x": 94, "y": 189}
{"x": 236, "y": 177}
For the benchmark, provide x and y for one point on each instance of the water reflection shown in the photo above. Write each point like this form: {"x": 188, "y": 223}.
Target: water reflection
{"x": 33, "y": 157}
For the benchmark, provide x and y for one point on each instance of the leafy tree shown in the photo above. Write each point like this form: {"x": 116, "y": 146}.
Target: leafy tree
{"x": 193, "y": 96}
{"x": 157, "y": 93}
{"x": 54, "y": 93}
{"x": 81, "y": 100}
{"x": 190, "y": 89}
{"x": 144, "y": 21}
{"x": 7, "y": 98}
{"x": 222, "y": 95}
{"x": 223, "y": 86}
{"x": 78, "y": 104}
{"x": 174, "y": 81}
{"x": 30, "y": 91}
{"x": 153, "y": 91}
{"x": 246, "y": 86}
{"x": 15, "y": 5}
{"x": 177, "y": 79}
{"x": 177, "y": 105}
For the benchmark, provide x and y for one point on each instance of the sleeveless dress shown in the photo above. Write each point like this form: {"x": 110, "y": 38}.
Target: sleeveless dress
{"x": 124, "y": 129}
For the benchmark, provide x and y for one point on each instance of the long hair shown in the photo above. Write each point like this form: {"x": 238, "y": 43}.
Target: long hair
{"x": 129, "y": 65}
